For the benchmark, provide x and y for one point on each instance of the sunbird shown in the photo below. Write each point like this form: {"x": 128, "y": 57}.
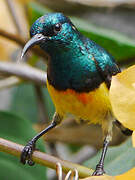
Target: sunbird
{"x": 78, "y": 78}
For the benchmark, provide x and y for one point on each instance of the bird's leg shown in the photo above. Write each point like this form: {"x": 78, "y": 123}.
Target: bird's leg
{"x": 26, "y": 155}
{"x": 107, "y": 130}
{"x": 100, "y": 166}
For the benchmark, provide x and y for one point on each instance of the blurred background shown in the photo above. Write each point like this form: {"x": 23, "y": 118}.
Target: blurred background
{"x": 25, "y": 105}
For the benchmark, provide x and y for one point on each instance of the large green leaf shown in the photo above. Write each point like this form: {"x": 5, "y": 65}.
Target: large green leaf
{"x": 119, "y": 45}
{"x": 18, "y": 130}
{"x": 118, "y": 160}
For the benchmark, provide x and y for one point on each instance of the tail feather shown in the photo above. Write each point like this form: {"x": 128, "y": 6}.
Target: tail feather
{"x": 124, "y": 130}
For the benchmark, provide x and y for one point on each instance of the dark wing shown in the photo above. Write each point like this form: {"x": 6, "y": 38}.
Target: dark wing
{"x": 104, "y": 62}
{"x": 107, "y": 73}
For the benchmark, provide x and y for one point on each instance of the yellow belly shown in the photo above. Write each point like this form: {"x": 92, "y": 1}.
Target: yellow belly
{"x": 92, "y": 106}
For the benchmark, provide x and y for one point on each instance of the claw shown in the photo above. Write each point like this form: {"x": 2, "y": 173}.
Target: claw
{"x": 99, "y": 171}
{"x": 30, "y": 162}
{"x": 26, "y": 155}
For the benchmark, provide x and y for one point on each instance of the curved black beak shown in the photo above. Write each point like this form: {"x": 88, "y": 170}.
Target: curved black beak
{"x": 38, "y": 38}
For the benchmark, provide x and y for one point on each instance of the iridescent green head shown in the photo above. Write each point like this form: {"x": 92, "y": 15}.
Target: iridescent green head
{"x": 55, "y": 29}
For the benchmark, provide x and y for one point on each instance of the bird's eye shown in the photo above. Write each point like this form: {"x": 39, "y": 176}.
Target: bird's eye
{"x": 57, "y": 27}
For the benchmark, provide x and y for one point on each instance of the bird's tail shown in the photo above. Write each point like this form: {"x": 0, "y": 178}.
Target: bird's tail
{"x": 124, "y": 130}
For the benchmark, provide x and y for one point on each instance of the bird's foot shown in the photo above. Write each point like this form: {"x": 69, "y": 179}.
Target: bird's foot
{"x": 99, "y": 170}
{"x": 26, "y": 155}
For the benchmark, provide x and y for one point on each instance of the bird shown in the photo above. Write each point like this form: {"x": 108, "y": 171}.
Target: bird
{"x": 79, "y": 74}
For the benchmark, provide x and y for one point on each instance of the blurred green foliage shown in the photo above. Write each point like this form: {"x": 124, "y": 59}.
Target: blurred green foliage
{"x": 24, "y": 102}
{"x": 19, "y": 130}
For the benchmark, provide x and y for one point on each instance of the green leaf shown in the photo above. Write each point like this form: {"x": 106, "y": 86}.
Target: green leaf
{"x": 24, "y": 102}
{"x": 119, "y": 45}
{"x": 118, "y": 160}
{"x": 18, "y": 130}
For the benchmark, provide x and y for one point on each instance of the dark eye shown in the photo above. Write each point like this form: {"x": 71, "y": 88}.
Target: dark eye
{"x": 57, "y": 27}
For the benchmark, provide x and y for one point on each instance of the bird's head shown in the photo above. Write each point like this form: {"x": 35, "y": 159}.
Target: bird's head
{"x": 53, "y": 30}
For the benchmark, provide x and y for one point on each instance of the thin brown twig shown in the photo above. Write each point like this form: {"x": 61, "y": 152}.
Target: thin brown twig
{"x": 21, "y": 42}
{"x": 16, "y": 38}
{"x": 44, "y": 159}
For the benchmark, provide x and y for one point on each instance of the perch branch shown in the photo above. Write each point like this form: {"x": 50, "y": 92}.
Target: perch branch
{"x": 44, "y": 159}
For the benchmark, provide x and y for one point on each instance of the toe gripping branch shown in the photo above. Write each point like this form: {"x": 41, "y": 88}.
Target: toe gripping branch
{"x": 26, "y": 155}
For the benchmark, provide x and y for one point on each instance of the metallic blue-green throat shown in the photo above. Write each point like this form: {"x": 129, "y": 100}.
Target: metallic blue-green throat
{"x": 76, "y": 62}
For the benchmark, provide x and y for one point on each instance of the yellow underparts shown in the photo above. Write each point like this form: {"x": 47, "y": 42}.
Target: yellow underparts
{"x": 93, "y": 106}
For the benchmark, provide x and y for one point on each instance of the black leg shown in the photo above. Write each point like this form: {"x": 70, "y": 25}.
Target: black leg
{"x": 26, "y": 155}
{"x": 100, "y": 166}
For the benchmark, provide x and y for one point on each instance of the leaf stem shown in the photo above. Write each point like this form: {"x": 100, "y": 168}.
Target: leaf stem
{"x": 44, "y": 159}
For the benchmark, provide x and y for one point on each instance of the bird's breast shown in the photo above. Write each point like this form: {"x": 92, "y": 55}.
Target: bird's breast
{"x": 92, "y": 106}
